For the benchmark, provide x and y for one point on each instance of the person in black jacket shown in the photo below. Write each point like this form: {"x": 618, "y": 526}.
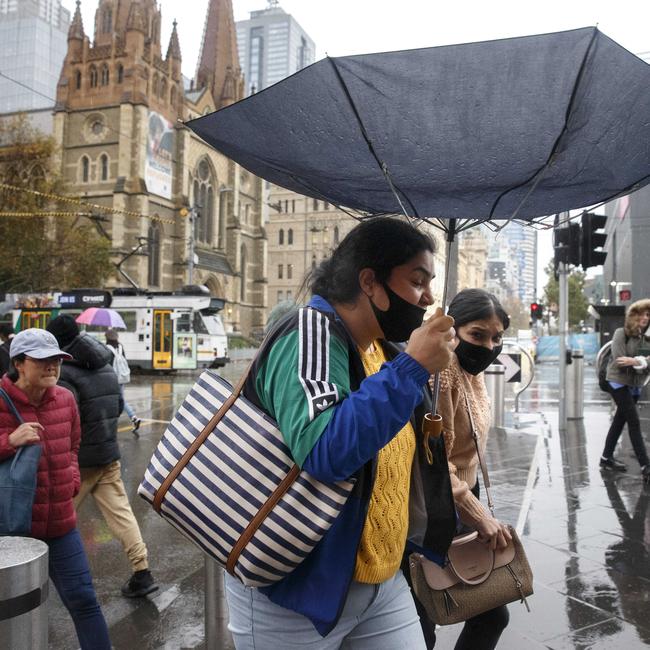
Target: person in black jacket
{"x": 6, "y": 334}
{"x": 92, "y": 380}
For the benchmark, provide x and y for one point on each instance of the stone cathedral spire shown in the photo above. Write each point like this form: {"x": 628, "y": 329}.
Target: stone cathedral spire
{"x": 218, "y": 66}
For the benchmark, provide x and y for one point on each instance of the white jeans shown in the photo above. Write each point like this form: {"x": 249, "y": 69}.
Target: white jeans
{"x": 375, "y": 617}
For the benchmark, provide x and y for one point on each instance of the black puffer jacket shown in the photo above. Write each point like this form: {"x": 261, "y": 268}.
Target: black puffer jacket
{"x": 90, "y": 376}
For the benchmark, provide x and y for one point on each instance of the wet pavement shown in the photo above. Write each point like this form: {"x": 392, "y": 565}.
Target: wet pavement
{"x": 587, "y": 535}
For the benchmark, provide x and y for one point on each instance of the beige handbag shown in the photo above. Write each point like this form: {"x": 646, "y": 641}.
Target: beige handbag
{"x": 475, "y": 579}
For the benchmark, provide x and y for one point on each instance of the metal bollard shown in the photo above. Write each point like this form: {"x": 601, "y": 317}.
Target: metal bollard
{"x": 23, "y": 593}
{"x": 575, "y": 386}
{"x": 495, "y": 382}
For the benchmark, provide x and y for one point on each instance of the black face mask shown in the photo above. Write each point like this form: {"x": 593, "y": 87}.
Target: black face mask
{"x": 400, "y": 319}
{"x": 475, "y": 358}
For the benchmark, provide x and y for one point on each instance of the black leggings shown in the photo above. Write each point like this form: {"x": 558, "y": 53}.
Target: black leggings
{"x": 626, "y": 412}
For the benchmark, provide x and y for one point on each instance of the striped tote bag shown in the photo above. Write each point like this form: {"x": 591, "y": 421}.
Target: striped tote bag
{"x": 223, "y": 476}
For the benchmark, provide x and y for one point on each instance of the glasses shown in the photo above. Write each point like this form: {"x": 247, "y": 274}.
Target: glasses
{"x": 46, "y": 362}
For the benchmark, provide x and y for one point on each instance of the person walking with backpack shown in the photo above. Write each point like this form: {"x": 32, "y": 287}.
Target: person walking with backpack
{"x": 90, "y": 377}
{"x": 123, "y": 372}
{"x": 627, "y": 370}
{"x": 50, "y": 419}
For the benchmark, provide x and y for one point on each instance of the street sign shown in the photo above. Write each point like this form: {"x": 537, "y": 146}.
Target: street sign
{"x": 512, "y": 363}
{"x": 625, "y": 294}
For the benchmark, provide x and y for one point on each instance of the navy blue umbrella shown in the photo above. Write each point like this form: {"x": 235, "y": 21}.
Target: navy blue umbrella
{"x": 515, "y": 128}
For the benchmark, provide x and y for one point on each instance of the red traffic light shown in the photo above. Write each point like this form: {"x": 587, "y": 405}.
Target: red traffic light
{"x": 535, "y": 311}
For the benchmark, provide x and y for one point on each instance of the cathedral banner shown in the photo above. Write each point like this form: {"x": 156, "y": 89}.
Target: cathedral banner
{"x": 158, "y": 165}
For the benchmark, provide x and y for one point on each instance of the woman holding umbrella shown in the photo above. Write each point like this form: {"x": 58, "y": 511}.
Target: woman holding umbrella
{"x": 350, "y": 404}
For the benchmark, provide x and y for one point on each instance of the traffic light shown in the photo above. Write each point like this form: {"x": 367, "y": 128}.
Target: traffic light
{"x": 566, "y": 242}
{"x": 535, "y": 311}
{"x": 592, "y": 240}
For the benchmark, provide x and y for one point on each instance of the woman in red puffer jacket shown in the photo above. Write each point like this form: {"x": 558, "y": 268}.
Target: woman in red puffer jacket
{"x": 51, "y": 419}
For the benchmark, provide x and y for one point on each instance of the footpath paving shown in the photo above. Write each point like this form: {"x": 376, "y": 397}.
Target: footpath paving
{"x": 587, "y": 536}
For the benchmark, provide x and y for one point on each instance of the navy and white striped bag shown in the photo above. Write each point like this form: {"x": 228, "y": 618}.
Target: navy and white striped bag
{"x": 223, "y": 476}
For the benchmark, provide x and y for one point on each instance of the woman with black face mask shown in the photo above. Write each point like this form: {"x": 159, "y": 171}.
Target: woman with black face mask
{"x": 480, "y": 322}
{"x": 350, "y": 404}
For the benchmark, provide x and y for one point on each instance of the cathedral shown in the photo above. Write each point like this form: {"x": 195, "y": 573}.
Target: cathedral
{"x": 177, "y": 212}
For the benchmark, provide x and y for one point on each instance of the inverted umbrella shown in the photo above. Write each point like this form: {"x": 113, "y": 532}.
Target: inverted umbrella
{"x": 101, "y": 317}
{"x": 515, "y": 128}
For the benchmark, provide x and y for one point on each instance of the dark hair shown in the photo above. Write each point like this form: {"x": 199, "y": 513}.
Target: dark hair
{"x": 380, "y": 244}
{"x": 12, "y": 373}
{"x": 6, "y": 329}
{"x": 476, "y": 304}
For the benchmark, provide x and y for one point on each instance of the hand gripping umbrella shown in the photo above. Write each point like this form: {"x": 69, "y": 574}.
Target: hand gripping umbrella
{"x": 519, "y": 128}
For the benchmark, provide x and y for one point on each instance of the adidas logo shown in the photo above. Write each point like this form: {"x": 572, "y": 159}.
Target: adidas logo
{"x": 321, "y": 406}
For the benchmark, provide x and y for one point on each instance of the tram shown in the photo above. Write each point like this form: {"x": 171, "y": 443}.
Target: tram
{"x": 164, "y": 330}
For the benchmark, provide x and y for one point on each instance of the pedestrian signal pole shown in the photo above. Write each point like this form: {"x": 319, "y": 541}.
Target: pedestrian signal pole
{"x": 563, "y": 286}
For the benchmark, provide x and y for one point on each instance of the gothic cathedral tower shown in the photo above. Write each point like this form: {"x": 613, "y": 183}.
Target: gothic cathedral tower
{"x": 119, "y": 116}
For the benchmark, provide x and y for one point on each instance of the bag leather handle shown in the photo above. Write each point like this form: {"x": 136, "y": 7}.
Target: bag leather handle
{"x": 464, "y": 539}
{"x": 475, "y": 581}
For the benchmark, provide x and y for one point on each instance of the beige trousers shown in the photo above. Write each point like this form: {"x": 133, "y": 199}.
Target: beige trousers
{"x": 106, "y": 486}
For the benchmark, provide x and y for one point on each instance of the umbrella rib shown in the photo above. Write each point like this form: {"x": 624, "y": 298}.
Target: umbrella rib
{"x": 539, "y": 174}
{"x": 382, "y": 165}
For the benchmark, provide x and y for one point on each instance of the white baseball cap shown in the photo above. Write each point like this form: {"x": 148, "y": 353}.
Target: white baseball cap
{"x": 37, "y": 344}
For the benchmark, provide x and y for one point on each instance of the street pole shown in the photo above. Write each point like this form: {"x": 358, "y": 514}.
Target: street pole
{"x": 190, "y": 254}
{"x": 563, "y": 285}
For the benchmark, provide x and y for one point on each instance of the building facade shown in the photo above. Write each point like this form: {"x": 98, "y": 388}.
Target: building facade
{"x": 33, "y": 45}
{"x": 177, "y": 212}
{"x": 272, "y": 46}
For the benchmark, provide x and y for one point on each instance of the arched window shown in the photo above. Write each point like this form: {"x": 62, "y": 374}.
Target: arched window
{"x": 163, "y": 88}
{"x": 107, "y": 21}
{"x": 105, "y": 75}
{"x": 77, "y": 79}
{"x": 120, "y": 73}
{"x": 290, "y": 236}
{"x": 93, "y": 76}
{"x": 336, "y": 235}
{"x": 103, "y": 165}
{"x": 154, "y": 85}
{"x": 203, "y": 190}
{"x": 172, "y": 96}
{"x": 244, "y": 273}
{"x": 153, "y": 270}
{"x": 281, "y": 237}
{"x": 313, "y": 262}
{"x": 85, "y": 169}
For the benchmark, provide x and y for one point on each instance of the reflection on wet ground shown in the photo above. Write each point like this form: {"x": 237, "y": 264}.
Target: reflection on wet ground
{"x": 587, "y": 535}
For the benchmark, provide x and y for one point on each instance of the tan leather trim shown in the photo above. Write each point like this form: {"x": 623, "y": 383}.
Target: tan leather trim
{"x": 191, "y": 450}
{"x": 257, "y": 520}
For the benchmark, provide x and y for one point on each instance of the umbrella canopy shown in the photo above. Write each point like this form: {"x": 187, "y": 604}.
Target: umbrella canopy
{"x": 101, "y": 317}
{"x": 520, "y": 127}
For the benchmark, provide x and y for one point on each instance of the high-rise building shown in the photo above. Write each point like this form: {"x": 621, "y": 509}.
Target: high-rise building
{"x": 33, "y": 44}
{"x": 272, "y": 46}
{"x": 523, "y": 246}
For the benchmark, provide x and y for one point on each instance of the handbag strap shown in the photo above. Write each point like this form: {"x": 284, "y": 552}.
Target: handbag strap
{"x": 481, "y": 458}
{"x": 11, "y": 406}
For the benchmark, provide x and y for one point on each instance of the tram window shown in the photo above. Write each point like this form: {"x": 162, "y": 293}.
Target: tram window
{"x": 183, "y": 322}
{"x": 130, "y": 320}
{"x": 199, "y": 325}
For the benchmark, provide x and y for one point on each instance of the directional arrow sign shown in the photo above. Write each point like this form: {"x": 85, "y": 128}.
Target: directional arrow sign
{"x": 512, "y": 363}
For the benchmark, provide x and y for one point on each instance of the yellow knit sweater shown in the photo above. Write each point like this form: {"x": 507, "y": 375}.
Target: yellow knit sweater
{"x": 384, "y": 533}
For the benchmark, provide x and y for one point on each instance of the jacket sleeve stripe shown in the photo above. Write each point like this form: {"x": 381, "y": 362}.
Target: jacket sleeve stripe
{"x": 313, "y": 361}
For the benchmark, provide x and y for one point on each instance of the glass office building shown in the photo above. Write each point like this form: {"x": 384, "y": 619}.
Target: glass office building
{"x": 272, "y": 46}
{"x": 33, "y": 45}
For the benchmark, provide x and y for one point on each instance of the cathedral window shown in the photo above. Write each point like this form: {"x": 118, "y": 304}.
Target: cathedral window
{"x": 120, "y": 73}
{"x": 172, "y": 96}
{"x": 105, "y": 75}
{"x": 103, "y": 164}
{"x": 207, "y": 222}
{"x": 281, "y": 237}
{"x": 153, "y": 270}
{"x": 93, "y": 76}
{"x": 107, "y": 21}
{"x": 85, "y": 169}
{"x": 244, "y": 273}
{"x": 77, "y": 79}
{"x": 290, "y": 236}
{"x": 163, "y": 88}
{"x": 154, "y": 85}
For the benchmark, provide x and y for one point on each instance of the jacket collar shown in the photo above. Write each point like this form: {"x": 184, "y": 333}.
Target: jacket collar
{"x": 18, "y": 396}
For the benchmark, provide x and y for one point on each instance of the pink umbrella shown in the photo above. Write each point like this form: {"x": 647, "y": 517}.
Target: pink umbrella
{"x": 102, "y": 317}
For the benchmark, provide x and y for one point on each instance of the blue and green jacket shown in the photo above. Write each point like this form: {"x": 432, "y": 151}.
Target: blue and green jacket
{"x": 310, "y": 379}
